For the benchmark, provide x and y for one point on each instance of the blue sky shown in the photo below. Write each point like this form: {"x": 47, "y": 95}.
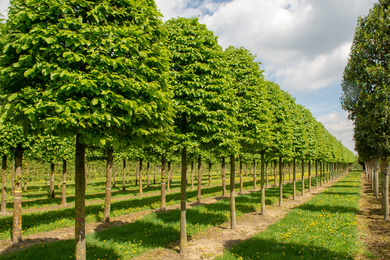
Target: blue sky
{"x": 303, "y": 45}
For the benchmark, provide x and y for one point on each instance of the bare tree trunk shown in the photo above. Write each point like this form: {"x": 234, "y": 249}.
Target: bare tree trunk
{"x": 148, "y": 174}
{"x": 169, "y": 176}
{"x": 26, "y": 179}
{"x": 199, "y": 180}
{"x": 316, "y": 165}
{"x": 124, "y": 176}
{"x": 210, "y": 173}
{"x": 52, "y": 193}
{"x": 113, "y": 175}
{"x": 232, "y": 193}
{"x": 275, "y": 173}
{"x": 280, "y": 182}
{"x": 309, "y": 176}
{"x": 155, "y": 171}
{"x": 17, "y": 216}
{"x": 192, "y": 175}
{"x": 262, "y": 185}
{"x": 163, "y": 182}
{"x": 183, "y": 205}
{"x": 13, "y": 177}
{"x": 223, "y": 173}
{"x": 254, "y": 175}
{"x": 4, "y": 186}
{"x": 303, "y": 178}
{"x": 63, "y": 195}
{"x": 140, "y": 176}
{"x": 294, "y": 180}
{"x": 385, "y": 194}
{"x": 241, "y": 179}
{"x": 107, "y": 202}
{"x": 266, "y": 174}
{"x": 80, "y": 253}
{"x": 136, "y": 173}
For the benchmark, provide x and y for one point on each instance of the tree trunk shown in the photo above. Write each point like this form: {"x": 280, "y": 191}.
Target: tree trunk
{"x": 113, "y": 175}
{"x": 52, "y": 193}
{"x": 303, "y": 178}
{"x": 154, "y": 174}
{"x": 148, "y": 175}
{"x": 86, "y": 173}
{"x": 199, "y": 180}
{"x": 232, "y": 192}
{"x": 280, "y": 182}
{"x": 140, "y": 176}
{"x": 309, "y": 176}
{"x": 17, "y": 216}
{"x": 63, "y": 195}
{"x": 80, "y": 200}
{"x": 262, "y": 185}
{"x": 266, "y": 174}
{"x": 26, "y": 179}
{"x": 385, "y": 194}
{"x": 13, "y": 177}
{"x": 294, "y": 180}
{"x": 254, "y": 175}
{"x": 241, "y": 179}
{"x": 107, "y": 202}
{"x": 169, "y": 176}
{"x": 183, "y": 205}
{"x": 320, "y": 173}
{"x": 136, "y": 173}
{"x": 316, "y": 166}
{"x": 275, "y": 173}
{"x": 124, "y": 176}
{"x": 163, "y": 182}
{"x": 223, "y": 173}
{"x": 210, "y": 173}
{"x": 4, "y": 186}
{"x": 192, "y": 175}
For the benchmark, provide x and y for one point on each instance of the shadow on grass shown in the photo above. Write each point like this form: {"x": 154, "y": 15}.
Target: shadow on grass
{"x": 60, "y": 250}
{"x": 258, "y": 248}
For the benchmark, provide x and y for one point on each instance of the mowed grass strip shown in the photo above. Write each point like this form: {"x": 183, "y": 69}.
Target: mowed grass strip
{"x": 155, "y": 230}
{"x": 322, "y": 228}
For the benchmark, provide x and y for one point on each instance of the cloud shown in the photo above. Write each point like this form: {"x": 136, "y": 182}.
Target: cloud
{"x": 340, "y": 127}
{"x": 302, "y": 44}
{"x": 4, "y": 4}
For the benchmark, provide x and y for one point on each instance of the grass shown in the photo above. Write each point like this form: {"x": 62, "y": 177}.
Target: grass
{"x": 154, "y": 230}
{"x": 323, "y": 228}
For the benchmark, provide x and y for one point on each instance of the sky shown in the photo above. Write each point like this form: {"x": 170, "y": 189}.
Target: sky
{"x": 303, "y": 45}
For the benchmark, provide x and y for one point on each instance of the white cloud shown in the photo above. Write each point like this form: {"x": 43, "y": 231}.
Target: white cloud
{"x": 303, "y": 44}
{"x": 340, "y": 127}
{"x": 4, "y": 4}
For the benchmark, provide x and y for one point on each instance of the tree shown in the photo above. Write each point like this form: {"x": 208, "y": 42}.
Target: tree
{"x": 366, "y": 88}
{"x": 94, "y": 70}
{"x": 203, "y": 97}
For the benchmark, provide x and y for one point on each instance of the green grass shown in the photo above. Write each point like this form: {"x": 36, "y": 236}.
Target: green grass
{"x": 323, "y": 228}
{"x": 154, "y": 230}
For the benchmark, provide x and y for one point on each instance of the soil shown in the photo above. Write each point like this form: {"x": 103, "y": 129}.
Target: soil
{"x": 375, "y": 232}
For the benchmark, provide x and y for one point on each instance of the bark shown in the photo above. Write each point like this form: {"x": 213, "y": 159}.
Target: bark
{"x": 309, "y": 176}
{"x": 140, "y": 176}
{"x": 4, "y": 186}
{"x": 192, "y": 175}
{"x": 13, "y": 177}
{"x": 124, "y": 176}
{"x": 163, "y": 182}
{"x": 210, "y": 173}
{"x": 63, "y": 194}
{"x": 320, "y": 173}
{"x": 52, "y": 193}
{"x": 232, "y": 193}
{"x": 262, "y": 185}
{"x": 280, "y": 182}
{"x": 223, "y": 173}
{"x": 154, "y": 174}
{"x": 275, "y": 173}
{"x": 183, "y": 205}
{"x": 136, "y": 173}
{"x": 241, "y": 179}
{"x": 148, "y": 175}
{"x": 316, "y": 166}
{"x": 113, "y": 175}
{"x": 169, "y": 176}
{"x": 17, "y": 216}
{"x": 107, "y": 202}
{"x": 266, "y": 174}
{"x": 385, "y": 194}
{"x": 254, "y": 175}
{"x": 26, "y": 179}
{"x": 198, "y": 197}
{"x": 80, "y": 200}
{"x": 303, "y": 178}
{"x": 294, "y": 180}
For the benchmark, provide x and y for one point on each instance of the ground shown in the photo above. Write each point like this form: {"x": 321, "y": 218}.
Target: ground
{"x": 374, "y": 231}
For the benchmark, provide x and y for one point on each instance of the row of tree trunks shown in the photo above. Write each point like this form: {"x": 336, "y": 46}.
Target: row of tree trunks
{"x": 372, "y": 174}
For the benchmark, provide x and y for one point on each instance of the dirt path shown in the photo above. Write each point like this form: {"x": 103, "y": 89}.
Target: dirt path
{"x": 374, "y": 231}
{"x": 205, "y": 245}
{"x": 212, "y": 242}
